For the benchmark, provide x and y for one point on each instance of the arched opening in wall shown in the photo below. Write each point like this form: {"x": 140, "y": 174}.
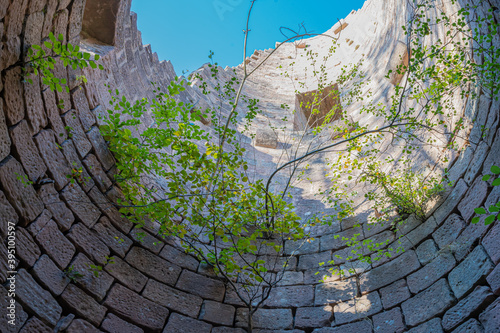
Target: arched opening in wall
{"x": 99, "y": 21}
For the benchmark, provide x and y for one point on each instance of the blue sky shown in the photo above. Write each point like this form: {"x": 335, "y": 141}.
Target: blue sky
{"x": 185, "y": 31}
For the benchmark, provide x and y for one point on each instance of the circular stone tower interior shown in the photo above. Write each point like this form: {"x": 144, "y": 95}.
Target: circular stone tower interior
{"x": 446, "y": 280}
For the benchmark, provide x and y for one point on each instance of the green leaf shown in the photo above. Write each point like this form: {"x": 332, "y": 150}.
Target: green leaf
{"x": 494, "y": 209}
{"x": 52, "y": 37}
{"x": 61, "y": 37}
{"x": 489, "y": 220}
{"x": 48, "y": 44}
{"x": 496, "y": 182}
{"x": 495, "y": 169}
{"x": 480, "y": 210}
{"x": 97, "y": 57}
{"x": 86, "y": 56}
{"x": 486, "y": 177}
{"x": 475, "y": 220}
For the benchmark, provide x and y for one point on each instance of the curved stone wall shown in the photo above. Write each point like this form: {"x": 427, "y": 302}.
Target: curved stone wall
{"x": 447, "y": 280}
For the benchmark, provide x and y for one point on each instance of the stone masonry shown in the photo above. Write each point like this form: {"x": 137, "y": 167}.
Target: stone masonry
{"x": 448, "y": 279}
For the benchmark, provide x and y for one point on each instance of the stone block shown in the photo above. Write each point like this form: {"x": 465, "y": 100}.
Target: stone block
{"x": 53, "y": 116}
{"x": 277, "y": 264}
{"x": 469, "y": 272}
{"x": 80, "y": 325}
{"x": 473, "y": 199}
{"x": 271, "y": 319}
{"x": 447, "y": 207}
{"x": 13, "y": 94}
{"x": 339, "y": 240}
{"x": 4, "y": 134}
{"x": 491, "y": 243}
{"x": 58, "y": 168}
{"x": 154, "y": 266}
{"x": 201, "y": 286}
{"x": 389, "y": 322}
{"x": 470, "y": 326}
{"x": 310, "y": 261}
{"x": 26, "y": 248}
{"x": 334, "y": 292}
{"x": 37, "y": 299}
{"x": 22, "y": 197}
{"x": 431, "y": 326}
{"x": 101, "y": 148}
{"x": 357, "y": 308}
{"x": 430, "y": 273}
{"x": 41, "y": 221}
{"x": 178, "y": 257}
{"x": 125, "y": 303}
{"x": 7, "y": 214}
{"x": 363, "y": 326}
{"x": 35, "y": 325}
{"x": 69, "y": 151}
{"x": 61, "y": 214}
{"x": 146, "y": 240}
{"x": 290, "y": 278}
{"x": 427, "y": 251}
{"x": 87, "y": 242}
{"x": 389, "y": 272}
{"x": 35, "y": 111}
{"x": 4, "y": 265}
{"x": 83, "y": 305}
{"x": 173, "y": 299}
{"x": 266, "y": 138}
{"x": 395, "y": 294}
{"x": 479, "y": 298}
{"x": 98, "y": 286}
{"x": 53, "y": 242}
{"x": 398, "y": 63}
{"x": 49, "y": 275}
{"x": 26, "y": 151}
{"x": 77, "y": 133}
{"x": 76, "y": 19}
{"x": 15, "y": 18}
{"x": 181, "y": 324}
{"x": 114, "y": 324}
{"x": 21, "y": 315}
{"x": 109, "y": 209}
{"x": 217, "y": 313}
{"x": 290, "y": 296}
{"x": 429, "y": 303}
{"x": 371, "y": 229}
{"x": 469, "y": 238}
{"x": 490, "y": 318}
{"x": 449, "y": 231}
{"x": 110, "y": 236}
{"x": 476, "y": 164}
{"x": 494, "y": 280}
{"x": 301, "y": 247}
{"x": 81, "y": 105}
{"x": 493, "y": 156}
{"x": 126, "y": 274}
{"x": 222, "y": 329}
{"x": 313, "y": 317}
{"x": 78, "y": 201}
{"x": 95, "y": 170}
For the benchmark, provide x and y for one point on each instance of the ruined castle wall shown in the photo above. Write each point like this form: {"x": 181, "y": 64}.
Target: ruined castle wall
{"x": 448, "y": 278}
